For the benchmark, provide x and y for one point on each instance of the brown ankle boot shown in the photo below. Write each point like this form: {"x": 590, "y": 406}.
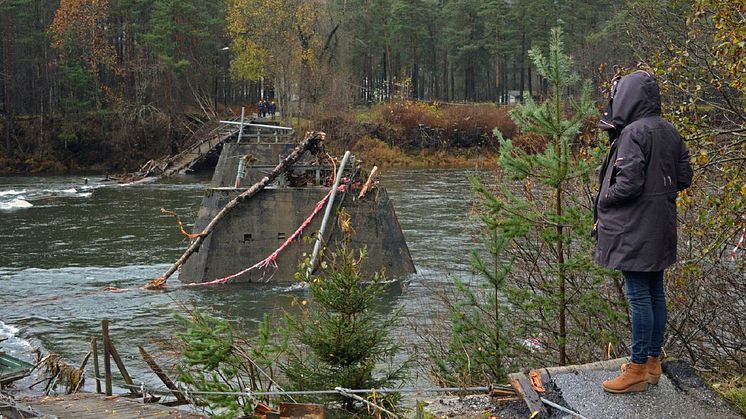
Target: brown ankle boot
{"x": 654, "y": 369}
{"x": 633, "y": 378}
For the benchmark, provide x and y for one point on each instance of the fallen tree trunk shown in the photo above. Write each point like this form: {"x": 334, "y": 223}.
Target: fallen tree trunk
{"x": 310, "y": 142}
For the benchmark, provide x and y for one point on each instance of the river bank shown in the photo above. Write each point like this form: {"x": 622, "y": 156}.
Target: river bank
{"x": 411, "y": 135}
{"x": 93, "y": 142}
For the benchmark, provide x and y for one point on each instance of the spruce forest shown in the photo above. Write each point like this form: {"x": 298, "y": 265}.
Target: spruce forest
{"x": 83, "y": 79}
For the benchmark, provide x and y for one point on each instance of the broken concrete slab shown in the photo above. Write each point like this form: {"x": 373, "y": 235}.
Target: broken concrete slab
{"x": 680, "y": 393}
{"x": 583, "y": 394}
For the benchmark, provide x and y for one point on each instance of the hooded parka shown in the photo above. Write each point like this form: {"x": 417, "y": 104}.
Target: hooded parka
{"x": 647, "y": 164}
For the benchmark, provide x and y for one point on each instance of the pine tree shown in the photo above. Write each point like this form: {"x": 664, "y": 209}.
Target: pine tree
{"x": 469, "y": 40}
{"x": 215, "y": 357}
{"x": 209, "y": 363}
{"x": 555, "y": 286}
{"x": 477, "y": 346}
{"x": 341, "y": 339}
{"x": 540, "y": 281}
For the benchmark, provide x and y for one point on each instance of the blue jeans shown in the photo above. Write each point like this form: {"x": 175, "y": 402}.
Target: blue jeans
{"x": 647, "y": 302}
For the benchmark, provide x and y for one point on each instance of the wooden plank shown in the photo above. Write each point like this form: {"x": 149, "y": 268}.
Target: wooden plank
{"x": 107, "y": 360}
{"x": 82, "y": 371}
{"x": 96, "y": 373}
{"x": 89, "y": 405}
{"x": 162, "y": 375}
{"x": 521, "y": 384}
{"x": 120, "y": 365}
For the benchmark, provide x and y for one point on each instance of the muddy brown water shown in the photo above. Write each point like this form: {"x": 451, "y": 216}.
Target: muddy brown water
{"x": 63, "y": 242}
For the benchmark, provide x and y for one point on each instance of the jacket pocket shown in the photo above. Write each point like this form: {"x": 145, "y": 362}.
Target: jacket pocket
{"x": 614, "y": 173}
{"x": 612, "y": 176}
{"x": 614, "y": 221}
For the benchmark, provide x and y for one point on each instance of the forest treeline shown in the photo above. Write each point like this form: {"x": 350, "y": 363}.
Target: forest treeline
{"x": 115, "y": 82}
{"x": 118, "y": 76}
{"x": 76, "y": 55}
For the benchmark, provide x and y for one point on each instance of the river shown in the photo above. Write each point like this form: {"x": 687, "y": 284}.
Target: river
{"x": 64, "y": 241}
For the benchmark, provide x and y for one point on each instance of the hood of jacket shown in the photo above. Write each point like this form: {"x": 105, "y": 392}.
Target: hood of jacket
{"x": 632, "y": 97}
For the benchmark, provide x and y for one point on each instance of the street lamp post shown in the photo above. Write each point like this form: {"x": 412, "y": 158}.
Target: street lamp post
{"x": 215, "y": 79}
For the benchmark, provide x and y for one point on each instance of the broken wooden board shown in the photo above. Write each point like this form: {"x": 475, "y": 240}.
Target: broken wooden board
{"x": 522, "y": 386}
{"x": 89, "y": 405}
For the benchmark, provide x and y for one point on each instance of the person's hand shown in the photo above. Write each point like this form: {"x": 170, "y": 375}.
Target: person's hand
{"x": 594, "y": 232}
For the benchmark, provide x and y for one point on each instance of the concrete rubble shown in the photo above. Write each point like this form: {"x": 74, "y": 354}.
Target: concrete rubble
{"x": 681, "y": 393}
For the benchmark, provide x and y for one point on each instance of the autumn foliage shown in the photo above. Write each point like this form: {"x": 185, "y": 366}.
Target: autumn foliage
{"x": 279, "y": 39}
{"x": 79, "y": 27}
{"x": 471, "y": 117}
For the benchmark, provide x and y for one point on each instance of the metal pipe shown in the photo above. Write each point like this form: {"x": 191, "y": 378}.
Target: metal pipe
{"x": 241, "y": 172}
{"x": 251, "y": 124}
{"x": 346, "y": 393}
{"x": 240, "y": 130}
{"x": 322, "y": 392}
{"x": 327, "y": 213}
{"x": 562, "y": 408}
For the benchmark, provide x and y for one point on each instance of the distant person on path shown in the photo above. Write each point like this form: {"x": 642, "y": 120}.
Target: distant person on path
{"x": 261, "y": 108}
{"x": 635, "y": 214}
{"x": 272, "y": 109}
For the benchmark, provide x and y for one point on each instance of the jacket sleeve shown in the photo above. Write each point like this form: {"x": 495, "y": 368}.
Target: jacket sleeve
{"x": 684, "y": 171}
{"x": 628, "y": 172}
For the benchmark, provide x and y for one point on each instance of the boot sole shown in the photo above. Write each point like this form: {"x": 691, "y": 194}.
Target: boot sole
{"x": 642, "y": 386}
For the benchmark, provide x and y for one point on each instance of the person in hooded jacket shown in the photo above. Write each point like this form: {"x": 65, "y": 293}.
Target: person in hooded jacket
{"x": 635, "y": 214}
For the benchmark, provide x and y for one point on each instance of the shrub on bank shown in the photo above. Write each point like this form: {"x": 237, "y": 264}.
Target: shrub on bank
{"x": 408, "y": 115}
{"x": 371, "y": 150}
{"x": 478, "y": 117}
{"x": 420, "y": 134}
{"x": 530, "y": 142}
{"x": 377, "y": 152}
{"x": 453, "y": 125}
{"x": 97, "y": 141}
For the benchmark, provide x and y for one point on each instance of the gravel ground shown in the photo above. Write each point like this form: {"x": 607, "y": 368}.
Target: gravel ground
{"x": 475, "y": 406}
{"x": 682, "y": 395}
